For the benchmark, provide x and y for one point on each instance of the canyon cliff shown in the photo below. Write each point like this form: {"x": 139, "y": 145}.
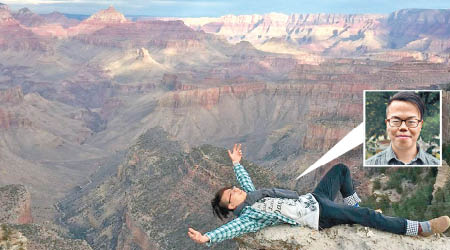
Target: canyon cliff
{"x": 16, "y": 230}
{"x": 75, "y": 98}
{"x": 123, "y": 207}
{"x": 336, "y": 34}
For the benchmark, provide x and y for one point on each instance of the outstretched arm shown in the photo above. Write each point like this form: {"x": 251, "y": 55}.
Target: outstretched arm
{"x": 242, "y": 176}
{"x": 197, "y": 237}
{"x": 232, "y": 229}
{"x": 236, "y": 155}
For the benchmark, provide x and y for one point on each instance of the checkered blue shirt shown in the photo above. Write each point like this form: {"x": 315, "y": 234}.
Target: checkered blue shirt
{"x": 250, "y": 219}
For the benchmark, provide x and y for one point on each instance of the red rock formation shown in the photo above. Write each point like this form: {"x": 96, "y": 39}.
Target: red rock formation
{"x": 12, "y": 96}
{"x": 322, "y": 137}
{"x": 108, "y": 16}
{"x": 5, "y": 16}
{"x": 137, "y": 236}
{"x": 98, "y": 21}
{"x": 324, "y": 97}
{"x": 18, "y": 38}
{"x": 210, "y": 97}
{"x": 159, "y": 34}
{"x": 10, "y": 119}
{"x": 50, "y": 30}
{"x": 25, "y": 216}
{"x": 15, "y": 205}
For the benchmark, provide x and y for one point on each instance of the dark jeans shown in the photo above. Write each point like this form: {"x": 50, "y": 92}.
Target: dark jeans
{"x": 331, "y": 214}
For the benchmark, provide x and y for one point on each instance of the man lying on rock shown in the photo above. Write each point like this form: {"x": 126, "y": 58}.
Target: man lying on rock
{"x": 256, "y": 209}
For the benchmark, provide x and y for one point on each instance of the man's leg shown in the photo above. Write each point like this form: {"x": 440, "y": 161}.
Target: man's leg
{"x": 338, "y": 179}
{"x": 332, "y": 214}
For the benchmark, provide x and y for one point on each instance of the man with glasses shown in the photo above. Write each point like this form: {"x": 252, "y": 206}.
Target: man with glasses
{"x": 259, "y": 208}
{"x": 404, "y": 120}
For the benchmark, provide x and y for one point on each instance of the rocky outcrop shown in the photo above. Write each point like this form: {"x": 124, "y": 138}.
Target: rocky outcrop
{"x": 173, "y": 36}
{"x": 47, "y": 25}
{"x": 324, "y": 136}
{"x": 133, "y": 234}
{"x": 12, "y": 96}
{"x": 332, "y": 34}
{"x": 18, "y": 38}
{"x": 10, "y": 119}
{"x": 27, "y": 18}
{"x": 276, "y": 24}
{"x": 335, "y": 34}
{"x": 98, "y": 21}
{"x": 50, "y": 30}
{"x": 5, "y": 16}
{"x": 339, "y": 237}
{"x": 144, "y": 205}
{"x": 15, "y": 205}
{"x": 108, "y": 16}
{"x": 412, "y": 23}
{"x": 442, "y": 177}
{"x": 37, "y": 237}
{"x": 8, "y": 98}
{"x": 209, "y": 98}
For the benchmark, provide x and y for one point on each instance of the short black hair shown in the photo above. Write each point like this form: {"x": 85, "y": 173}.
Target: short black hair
{"x": 218, "y": 210}
{"x": 408, "y": 96}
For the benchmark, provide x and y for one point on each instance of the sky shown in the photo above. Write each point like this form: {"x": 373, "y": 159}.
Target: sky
{"x": 215, "y": 8}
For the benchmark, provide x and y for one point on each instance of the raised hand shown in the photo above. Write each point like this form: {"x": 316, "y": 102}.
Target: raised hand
{"x": 236, "y": 155}
{"x": 197, "y": 237}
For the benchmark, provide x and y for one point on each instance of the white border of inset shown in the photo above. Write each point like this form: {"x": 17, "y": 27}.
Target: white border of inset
{"x": 400, "y": 90}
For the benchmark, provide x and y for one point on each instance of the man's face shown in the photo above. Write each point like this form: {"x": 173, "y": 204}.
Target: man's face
{"x": 233, "y": 197}
{"x": 403, "y": 137}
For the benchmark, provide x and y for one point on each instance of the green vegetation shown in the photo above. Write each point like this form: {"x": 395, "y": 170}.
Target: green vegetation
{"x": 376, "y": 184}
{"x": 414, "y": 204}
{"x": 6, "y": 232}
{"x": 7, "y": 239}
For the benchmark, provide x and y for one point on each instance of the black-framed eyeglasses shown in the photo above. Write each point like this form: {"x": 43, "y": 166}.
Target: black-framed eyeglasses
{"x": 410, "y": 123}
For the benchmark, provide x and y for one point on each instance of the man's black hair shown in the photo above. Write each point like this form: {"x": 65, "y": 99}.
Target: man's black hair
{"x": 218, "y": 210}
{"x": 409, "y": 96}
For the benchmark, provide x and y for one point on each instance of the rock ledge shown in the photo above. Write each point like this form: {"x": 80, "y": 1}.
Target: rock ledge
{"x": 339, "y": 237}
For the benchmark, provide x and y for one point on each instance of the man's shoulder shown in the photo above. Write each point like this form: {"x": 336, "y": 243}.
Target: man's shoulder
{"x": 378, "y": 159}
{"x": 429, "y": 159}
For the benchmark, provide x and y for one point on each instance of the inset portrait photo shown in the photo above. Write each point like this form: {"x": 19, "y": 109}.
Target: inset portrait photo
{"x": 402, "y": 128}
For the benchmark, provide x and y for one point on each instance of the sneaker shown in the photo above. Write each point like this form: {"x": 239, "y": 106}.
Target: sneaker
{"x": 438, "y": 225}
